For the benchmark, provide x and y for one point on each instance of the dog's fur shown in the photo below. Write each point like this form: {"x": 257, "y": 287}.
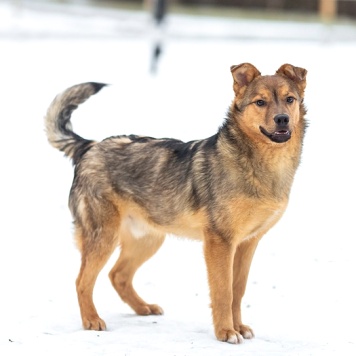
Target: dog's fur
{"x": 227, "y": 190}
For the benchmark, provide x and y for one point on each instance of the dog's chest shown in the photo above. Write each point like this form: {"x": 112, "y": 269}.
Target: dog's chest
{"x": 251, "y": 218}
{"x": 257, "y": 227}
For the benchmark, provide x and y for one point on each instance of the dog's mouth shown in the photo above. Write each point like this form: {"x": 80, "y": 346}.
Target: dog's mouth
{"x": 278, "y": 136}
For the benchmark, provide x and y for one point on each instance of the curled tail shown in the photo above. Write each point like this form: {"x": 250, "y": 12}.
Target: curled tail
{"x": 57, "y": 120}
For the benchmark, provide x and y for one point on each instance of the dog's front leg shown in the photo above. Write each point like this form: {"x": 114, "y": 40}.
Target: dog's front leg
{"x": 219, "y": 256}
{"x": 242, "y": 262}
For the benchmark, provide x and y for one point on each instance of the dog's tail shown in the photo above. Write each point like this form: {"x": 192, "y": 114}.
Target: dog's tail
{"x": 57, "y": 120}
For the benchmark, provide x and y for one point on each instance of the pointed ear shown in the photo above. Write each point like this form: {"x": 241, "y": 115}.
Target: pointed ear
{"x": 243, "y": 75}
{"x": 297, "y": 74}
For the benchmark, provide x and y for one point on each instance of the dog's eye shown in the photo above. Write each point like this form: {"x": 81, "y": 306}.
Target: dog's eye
{"x": 260, "y": 103}
{"x": 290, "y": 100}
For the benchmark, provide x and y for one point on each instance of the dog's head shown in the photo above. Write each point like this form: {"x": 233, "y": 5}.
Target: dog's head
{"x": 268, "y": 107}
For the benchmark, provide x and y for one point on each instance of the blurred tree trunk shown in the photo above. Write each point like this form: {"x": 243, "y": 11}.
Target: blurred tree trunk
{"x": 328, "y": 9}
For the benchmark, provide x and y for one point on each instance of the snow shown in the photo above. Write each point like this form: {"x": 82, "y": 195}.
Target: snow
{"x": 301, "y": 290}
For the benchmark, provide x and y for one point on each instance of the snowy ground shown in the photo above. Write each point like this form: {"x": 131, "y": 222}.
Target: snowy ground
{"x": 301, "y": 292}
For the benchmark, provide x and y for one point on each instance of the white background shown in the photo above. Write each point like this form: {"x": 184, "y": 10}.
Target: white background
{"x": 301, "y": 291}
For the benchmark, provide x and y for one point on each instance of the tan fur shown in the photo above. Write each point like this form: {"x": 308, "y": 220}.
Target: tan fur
{"x": 227, "y": 191}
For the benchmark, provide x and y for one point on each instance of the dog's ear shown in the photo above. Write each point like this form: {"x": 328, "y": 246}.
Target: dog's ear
{"x": 243, "y": 75}
{"x": 297, "y": 74}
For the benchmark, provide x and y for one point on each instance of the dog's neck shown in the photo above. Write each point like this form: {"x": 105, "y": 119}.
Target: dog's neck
{"x": 266, "y": 168}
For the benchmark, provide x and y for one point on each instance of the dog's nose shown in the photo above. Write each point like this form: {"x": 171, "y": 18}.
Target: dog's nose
{"x": 281, "y": 119}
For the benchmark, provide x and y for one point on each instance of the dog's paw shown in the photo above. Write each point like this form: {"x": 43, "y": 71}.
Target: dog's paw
{"x": 149, "y": 309}
{"x": 94, "y": 324}
{"x": 156, "y": 309}
{"x": 230, "y": 336}
{"x": 245, "y": 331}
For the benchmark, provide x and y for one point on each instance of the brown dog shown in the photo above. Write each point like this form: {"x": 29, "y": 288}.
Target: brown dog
{"x": 227, "y": 190}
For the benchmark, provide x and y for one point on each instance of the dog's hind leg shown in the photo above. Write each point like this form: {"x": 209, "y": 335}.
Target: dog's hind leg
{"x": 242, "y": 262}
{"x": 134, "y": 252}
{"x": 95, "y": 250}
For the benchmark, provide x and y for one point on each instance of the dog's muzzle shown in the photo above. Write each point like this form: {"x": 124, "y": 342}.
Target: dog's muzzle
{"x": 282, "y": 132}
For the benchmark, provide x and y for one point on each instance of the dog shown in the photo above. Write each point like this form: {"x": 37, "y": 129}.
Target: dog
{"x": 227, "y": 190}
